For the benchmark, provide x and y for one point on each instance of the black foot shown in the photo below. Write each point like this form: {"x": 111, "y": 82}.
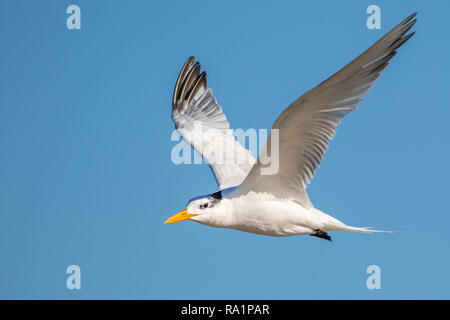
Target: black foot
{"x": 321, "y": 234}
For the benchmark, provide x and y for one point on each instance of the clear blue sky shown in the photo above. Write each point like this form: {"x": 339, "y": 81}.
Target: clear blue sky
{"x": 85, "y": 170}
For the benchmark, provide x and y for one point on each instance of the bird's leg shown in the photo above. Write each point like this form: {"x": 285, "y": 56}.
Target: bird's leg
{"x": 321, "y": 234}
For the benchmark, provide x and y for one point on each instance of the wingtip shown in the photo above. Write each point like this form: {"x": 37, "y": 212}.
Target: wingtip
{"x": 410, "y": 35}
{"x": 411, "y": 23}
{"x": 406, "y": 38}
{"x": 412, "y": 15}
{"x": 407, "y": 21}
{"x": 187, "y": 65}
{"x": 188, "y": 83}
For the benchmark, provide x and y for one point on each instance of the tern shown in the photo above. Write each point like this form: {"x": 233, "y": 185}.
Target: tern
{"x": 275, "y": 204}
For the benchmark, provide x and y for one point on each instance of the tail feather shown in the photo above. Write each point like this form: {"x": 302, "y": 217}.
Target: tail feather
{"x": 344, "y": 227}
{"x": 332, "y": 224}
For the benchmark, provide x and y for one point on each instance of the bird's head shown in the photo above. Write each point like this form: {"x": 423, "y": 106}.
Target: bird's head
{"x": 205, "y": 209}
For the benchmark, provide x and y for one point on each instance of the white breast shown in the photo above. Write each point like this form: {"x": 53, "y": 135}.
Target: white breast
{"x": 264, "y": 214}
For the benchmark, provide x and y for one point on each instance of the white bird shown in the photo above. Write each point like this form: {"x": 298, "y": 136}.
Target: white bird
{"x": 274, "y": 204}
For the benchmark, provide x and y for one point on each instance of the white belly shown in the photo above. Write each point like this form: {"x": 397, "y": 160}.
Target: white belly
{"x": 275, "y": 217}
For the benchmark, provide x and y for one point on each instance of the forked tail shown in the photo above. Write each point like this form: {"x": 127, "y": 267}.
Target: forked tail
{"x": 344, "y": 227}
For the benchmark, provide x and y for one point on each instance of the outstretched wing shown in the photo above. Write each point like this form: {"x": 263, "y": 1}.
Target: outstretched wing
{"x": 306, "y": 127}
{"x": 202, "y": 124}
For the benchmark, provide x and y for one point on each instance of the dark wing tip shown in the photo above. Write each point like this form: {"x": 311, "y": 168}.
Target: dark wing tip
{"x": 200, "y": 83}
{"x": 408, "y": 19}
{"x": 405, "y": 38}
{"x": 406, "y": 24}
{"x": 409, "y": 25}
{"x": 187, "y": 65}
{"x": 402, "y": 37}
{"x": 189, "y": 81}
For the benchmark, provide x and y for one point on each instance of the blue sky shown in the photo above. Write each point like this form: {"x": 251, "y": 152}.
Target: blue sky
{"x": 86, "y": 176}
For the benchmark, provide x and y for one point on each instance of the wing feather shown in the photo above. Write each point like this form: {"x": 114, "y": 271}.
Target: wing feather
{"x": 307, "y": 126}
{"x": 203, "y": 125}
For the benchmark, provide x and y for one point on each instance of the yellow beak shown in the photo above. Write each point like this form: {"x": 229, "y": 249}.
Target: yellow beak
{"x": 180, "y": 216}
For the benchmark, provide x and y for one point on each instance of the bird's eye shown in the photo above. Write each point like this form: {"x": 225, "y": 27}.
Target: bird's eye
{"x": 203, "y": 206}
